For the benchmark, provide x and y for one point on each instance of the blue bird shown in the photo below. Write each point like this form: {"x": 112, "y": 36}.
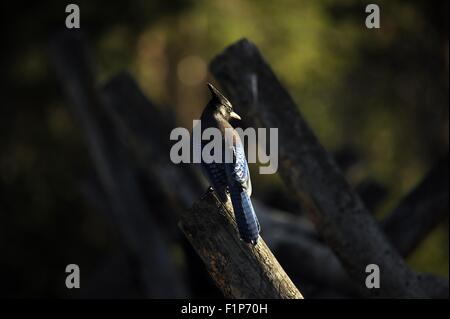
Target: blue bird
{"x": 234, "y": 177}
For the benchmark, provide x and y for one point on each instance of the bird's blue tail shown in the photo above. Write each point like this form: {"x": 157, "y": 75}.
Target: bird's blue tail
{"x": 246, "y": 219}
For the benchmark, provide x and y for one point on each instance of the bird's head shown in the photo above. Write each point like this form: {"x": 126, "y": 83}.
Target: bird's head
{"x": 221, "y": 106}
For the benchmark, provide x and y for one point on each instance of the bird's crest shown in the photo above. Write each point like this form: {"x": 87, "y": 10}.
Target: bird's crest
{"x": 217, "y": 96}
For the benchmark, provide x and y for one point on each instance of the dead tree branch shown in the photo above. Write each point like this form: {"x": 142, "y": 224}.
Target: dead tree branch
{"x": 420, "y": 211}
{"x": 238, "y": 269}
{"x": 337, "y": 212}
{"x": 304, "y": 256}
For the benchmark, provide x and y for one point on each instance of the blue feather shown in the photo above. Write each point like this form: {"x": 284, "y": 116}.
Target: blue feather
{"x": 240, "y": 188}
{"x": 215, "y": 172}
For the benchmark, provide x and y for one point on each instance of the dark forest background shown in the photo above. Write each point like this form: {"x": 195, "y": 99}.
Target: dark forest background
{"x": 377, "y": 99}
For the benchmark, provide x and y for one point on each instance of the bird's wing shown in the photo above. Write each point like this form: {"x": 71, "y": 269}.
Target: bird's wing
{"x": 215, "y": 172}
{"x": 239, "y": 169}
{"x": 239, "y": 185}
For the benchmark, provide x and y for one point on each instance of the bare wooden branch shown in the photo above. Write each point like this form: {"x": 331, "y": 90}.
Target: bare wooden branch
{"x": 298, "y": 248}
{"x": 338, "y": 213}
{"x": 420, "y": 211}
{"x": 304, "y": 256}
{"x": 240, "y": 270}
{"x": 435, "y": 286}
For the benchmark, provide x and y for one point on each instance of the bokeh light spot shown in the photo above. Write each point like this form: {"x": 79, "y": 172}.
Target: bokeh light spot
{"x": 191, "y": 70}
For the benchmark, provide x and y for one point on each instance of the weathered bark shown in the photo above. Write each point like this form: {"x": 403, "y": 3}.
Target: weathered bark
{"x": 304, "y": 256}
{"x": 240, "y": 270}
{"x": 436, "y": 286}
{"x": 299, "y": 249}
{"x": 419, "y": 211}
{"x": 312, "y": 175}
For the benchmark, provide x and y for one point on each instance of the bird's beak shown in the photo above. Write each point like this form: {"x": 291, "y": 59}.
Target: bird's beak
{"x": 234, "y": 115}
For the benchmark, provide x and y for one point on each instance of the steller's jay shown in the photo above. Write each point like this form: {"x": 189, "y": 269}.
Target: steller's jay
{"x": 232, "y": 178}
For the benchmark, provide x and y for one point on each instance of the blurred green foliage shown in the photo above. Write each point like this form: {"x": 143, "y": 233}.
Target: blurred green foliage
{"x": 382, "y": 93}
